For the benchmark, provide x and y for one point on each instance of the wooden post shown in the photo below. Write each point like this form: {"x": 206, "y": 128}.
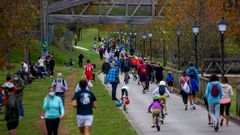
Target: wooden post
{"x": 238, "y": 101}
{"x": 44, "y": 27}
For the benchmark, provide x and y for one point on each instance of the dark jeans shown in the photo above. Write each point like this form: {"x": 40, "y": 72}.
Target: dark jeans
{"x": 80, "y": 63}
{"x": 52, "y": 126}
{"x": 184, "y": 97}
{"x": 21, "y": 111}
{"x": 51, "y": 71}
{"x": 61, "y": 95}
{"x": 1, "y": 100}
{"x": 114, "y": 90}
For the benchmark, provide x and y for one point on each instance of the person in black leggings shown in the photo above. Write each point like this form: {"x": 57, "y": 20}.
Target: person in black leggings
{"x": 225, "y": 102}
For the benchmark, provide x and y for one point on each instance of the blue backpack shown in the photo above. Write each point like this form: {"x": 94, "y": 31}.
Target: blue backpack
{"x": 162, "y": 90}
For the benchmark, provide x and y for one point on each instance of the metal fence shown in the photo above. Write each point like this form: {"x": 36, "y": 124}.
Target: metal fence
{"x": 202, "y": 87}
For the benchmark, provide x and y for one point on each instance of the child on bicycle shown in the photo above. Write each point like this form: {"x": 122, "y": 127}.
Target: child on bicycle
{"x": 124, "y": 96}
{"x": 155, "y": 107}
{"x": 162, "y": 92}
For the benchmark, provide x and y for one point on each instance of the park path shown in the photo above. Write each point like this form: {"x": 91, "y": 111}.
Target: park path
{"x": 177, "y": 122}
{"x": 63, "y": 130}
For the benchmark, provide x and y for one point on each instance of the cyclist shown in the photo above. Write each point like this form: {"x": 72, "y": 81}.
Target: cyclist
{"x": 162, "y": 92}
{"x": 155, "y": 108}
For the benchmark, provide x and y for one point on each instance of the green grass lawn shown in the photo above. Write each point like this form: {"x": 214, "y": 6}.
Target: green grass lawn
{"x": 108, "y": 119}
{"x": 32, "y": 102}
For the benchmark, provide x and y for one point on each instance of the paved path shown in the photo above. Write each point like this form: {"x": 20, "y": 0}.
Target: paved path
{"x": 177, "y": 122}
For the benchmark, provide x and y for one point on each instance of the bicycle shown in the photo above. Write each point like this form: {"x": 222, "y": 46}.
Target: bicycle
{"x": 125, "y": 102}
{"x": 134, "y": 74}
{"x": 126, "y": 78}
{"x": 156, "y": 118}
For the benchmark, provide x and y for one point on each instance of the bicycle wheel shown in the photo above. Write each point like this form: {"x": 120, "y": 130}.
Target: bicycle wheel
{"x": 125, "y": 108}
{"x": 157, "y": 124}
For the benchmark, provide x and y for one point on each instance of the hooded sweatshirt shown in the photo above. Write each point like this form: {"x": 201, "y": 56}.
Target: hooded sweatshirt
{"x": 208, "y": 92}
{"x": 227, "y": 91}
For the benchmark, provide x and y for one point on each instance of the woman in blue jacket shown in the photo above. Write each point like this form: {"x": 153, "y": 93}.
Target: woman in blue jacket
{"x": 54, "y": 111}
{"x": 213, "y": 95}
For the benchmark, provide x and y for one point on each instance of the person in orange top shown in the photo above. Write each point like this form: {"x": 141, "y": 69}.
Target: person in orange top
{"x": 89, "y": 70}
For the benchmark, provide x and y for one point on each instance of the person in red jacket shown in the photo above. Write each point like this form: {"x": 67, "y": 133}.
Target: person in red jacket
{"x": 89, "y": 70}
{"x": 143, "y": 74}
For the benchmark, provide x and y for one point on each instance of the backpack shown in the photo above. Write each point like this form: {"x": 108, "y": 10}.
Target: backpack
{"x": 186, "y": 87}
{"x": 192, "y": 71}
{"x": 162, "y": 90}
{"x": 215, "y": 91}
{"x": 63, "y": 82}
{"x": 143, "y": 71}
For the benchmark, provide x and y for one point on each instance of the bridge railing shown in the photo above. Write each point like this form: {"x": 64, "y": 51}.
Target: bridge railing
{"x": 202, "y": 87}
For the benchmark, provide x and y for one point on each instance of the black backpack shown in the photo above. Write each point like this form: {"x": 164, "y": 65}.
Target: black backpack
{"x": 63, "y": 82}
{"x": 162, "y": 90}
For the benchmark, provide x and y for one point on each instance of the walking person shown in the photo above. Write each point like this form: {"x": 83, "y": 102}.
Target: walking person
{"x": 143, "y": 74}
{"x": 54, "y": 111}
{"x": 185, "y": 88}
{"x": 84, "y": 101}
{"x": 19, "y": 83}
{"x": 88, "y": 70}
{"x": 170, "y": 81}
{"x": 41, "y": 62}
{"x": 80, "y": 60}
{"x": 60, "y": 86}
{"x": 113, "y": 78}
{"x": 214, "y": 94}
{"x": 194, "y": 90}
{"x": 159, "y": 73}
{"x": 11, "y": 111}
{"x": 225, "y": 102}
{"x": 51, "y": 66}
{"x": 105, "y": 70}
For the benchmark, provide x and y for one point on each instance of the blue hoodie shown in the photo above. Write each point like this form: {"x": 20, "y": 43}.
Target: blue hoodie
{"x": 208, "y": 92}
{"x": 190, "y": 69}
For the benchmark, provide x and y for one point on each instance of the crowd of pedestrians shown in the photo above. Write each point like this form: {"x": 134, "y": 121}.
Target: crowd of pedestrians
{"x": 118, "y": 61}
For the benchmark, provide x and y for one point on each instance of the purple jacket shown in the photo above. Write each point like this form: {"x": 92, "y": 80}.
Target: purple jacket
{"x": 155, "y": 105}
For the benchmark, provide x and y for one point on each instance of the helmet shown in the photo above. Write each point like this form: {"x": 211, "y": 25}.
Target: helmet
{"x": 155, "y": 97}
{"x": 162, "y": 83}
{"x": 127, "y": 101}
{"x": 118, "y": 104}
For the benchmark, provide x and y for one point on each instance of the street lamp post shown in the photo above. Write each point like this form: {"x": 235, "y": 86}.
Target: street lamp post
{"x": 144, "y": 44}
{"x": 195, "y": 29}
{"x": 178, "y": 31}
{"x": 130, "y": 39}
{"x": 125, "y": 41}
{"x": 150, "y": 39}
{"x": 164, "y": 51}
{"x": 222, "y": 26}
{"x": 121, "y": 33}
{"x": 135, "y": 38}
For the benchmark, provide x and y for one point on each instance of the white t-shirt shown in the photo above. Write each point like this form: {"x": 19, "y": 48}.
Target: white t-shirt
{"x": 25, "y": 67}
{"x": 41, "y": 62}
